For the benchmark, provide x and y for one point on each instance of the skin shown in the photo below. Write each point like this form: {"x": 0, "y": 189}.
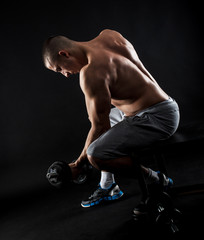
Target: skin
{"x": 110, "y": 73}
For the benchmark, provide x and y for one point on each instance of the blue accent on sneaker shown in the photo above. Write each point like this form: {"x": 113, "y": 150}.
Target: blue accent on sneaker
{"x": 101, "y": 195}
{"x": 171, "y": 182}
{"x": 166, "y": 179}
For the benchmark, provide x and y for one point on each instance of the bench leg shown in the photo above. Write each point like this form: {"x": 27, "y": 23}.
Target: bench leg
{"x": 160, "y": 160}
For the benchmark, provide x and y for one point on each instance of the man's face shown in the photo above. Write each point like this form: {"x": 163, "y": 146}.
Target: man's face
{"x": 65, "y": 64}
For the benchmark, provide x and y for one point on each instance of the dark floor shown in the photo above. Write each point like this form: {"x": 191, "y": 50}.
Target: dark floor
{"x": 51, "y": 214}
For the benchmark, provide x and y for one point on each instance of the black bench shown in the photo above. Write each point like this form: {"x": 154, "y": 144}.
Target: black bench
{"x": 189, "y": 136}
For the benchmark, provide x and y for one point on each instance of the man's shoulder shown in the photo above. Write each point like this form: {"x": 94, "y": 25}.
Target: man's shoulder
{"x": 92, "y": 78}
{"x": 95, "y": 70}
{"x": 87, "y": 72}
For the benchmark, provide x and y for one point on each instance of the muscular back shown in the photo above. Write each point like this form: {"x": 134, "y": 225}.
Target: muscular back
{"x": 131, "y": 86}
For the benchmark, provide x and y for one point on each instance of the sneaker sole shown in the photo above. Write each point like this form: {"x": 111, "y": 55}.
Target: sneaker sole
{"x": 108, "y": 198}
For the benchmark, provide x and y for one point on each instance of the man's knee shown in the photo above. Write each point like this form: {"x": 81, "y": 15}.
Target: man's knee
{"x": 90, "y": 150}
{"x": 90, "y": 155}
{"x": 94, "y": 150}
{"x": 95, "y": 162}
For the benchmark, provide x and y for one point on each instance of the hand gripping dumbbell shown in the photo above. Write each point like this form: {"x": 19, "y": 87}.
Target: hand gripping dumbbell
{"x": 59, "y": 174}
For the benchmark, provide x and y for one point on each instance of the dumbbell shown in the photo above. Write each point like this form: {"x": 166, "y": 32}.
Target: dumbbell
{"x": 59, "y": 174}
{"x": 163, "y": 212}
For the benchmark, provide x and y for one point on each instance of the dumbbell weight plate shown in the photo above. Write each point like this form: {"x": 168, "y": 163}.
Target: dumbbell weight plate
{"x": 59, "y": 174}
{"x": 159, "y": 205}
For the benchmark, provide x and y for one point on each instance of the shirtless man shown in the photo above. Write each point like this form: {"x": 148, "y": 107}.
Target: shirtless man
{"x": 111, "y": 74}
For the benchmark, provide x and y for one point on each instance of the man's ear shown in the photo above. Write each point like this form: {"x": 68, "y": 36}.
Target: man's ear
{"x": 63, "y": 53}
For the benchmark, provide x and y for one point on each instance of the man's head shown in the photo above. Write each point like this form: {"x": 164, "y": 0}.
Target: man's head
{"x": 61, "y": 54}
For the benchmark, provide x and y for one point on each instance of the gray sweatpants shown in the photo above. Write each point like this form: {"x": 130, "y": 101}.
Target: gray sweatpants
{"x": 127, "y": 134}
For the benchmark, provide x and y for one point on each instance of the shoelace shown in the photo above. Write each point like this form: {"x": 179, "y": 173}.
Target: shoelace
{"x": 99, "y": 191}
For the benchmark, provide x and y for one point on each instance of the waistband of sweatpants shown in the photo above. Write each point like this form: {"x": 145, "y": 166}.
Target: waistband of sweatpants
{"x": 158, "y": 106}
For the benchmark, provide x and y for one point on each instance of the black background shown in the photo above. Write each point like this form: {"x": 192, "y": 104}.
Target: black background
{"x": 43, "y": 115}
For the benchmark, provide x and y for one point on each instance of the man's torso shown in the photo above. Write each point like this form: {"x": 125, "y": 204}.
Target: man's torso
{"x": 131, "y": 87}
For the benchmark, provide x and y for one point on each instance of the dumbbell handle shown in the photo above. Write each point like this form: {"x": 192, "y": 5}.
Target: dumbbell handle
{"x": 84, "y": 174}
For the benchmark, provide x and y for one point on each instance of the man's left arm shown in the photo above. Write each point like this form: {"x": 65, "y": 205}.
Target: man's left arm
{"x": 98, "y": 104}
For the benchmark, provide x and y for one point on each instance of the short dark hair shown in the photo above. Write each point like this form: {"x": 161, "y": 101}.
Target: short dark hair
{"x": 53, "y": 45}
